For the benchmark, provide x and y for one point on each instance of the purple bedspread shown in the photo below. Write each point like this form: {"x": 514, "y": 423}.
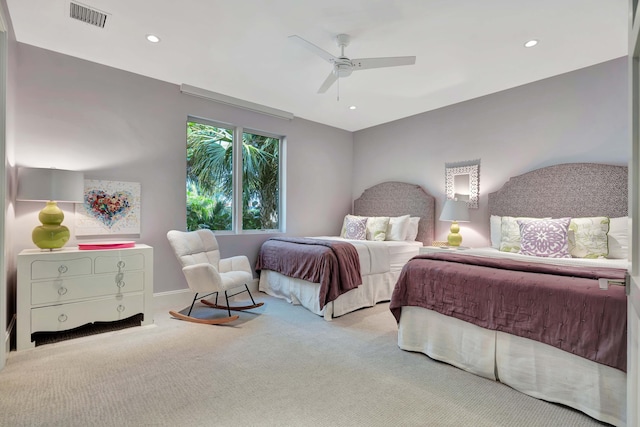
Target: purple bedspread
{"x": 333, "y": 264}
{"x": 556, "y": 305}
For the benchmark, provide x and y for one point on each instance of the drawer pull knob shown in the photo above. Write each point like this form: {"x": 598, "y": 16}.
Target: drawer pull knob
{"x": 62, "y": 318}
{"x": 62, "y": 290}
{"x": 63, "y": 269}
{"x": 120, "y": 308}
{"x": 121, "y": 284}
{"x": 121, "y": 264}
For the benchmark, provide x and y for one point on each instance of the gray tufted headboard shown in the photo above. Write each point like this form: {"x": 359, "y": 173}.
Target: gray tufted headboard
{"x": 565, "y": 190}
{"x": 396, "y": 199}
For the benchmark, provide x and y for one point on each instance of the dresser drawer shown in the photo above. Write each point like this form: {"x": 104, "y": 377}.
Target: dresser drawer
{"x": 45, "y": 269}
{"x": 111, "y": 264}
{"x": 68, "y": 316}
{"x": 75, "y": 288}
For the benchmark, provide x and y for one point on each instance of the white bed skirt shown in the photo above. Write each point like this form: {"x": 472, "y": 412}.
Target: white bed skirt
{"x": 534, "y": 368}
{"x": 375, "y": 288}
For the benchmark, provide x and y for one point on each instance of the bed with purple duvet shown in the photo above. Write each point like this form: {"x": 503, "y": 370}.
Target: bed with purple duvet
{"x": 358, "y": 267}
{"x": 543, "y": 309}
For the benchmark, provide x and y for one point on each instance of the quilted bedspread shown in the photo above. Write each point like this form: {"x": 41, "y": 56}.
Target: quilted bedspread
{"x": 333, "y": 264}
{"x": 556, "y": 305}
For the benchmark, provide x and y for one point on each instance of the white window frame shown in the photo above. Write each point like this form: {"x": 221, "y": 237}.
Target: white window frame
{"x": 237, "y": 206}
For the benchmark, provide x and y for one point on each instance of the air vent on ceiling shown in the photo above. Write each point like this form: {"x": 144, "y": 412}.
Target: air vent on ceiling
{"x": 87, "y": 15}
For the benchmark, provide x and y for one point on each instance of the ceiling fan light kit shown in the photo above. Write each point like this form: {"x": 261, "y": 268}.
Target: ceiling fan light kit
{"x": 343, "y": 66}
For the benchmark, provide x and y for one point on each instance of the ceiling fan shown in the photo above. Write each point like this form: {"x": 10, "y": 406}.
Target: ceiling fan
{"x": 343, "y": 66}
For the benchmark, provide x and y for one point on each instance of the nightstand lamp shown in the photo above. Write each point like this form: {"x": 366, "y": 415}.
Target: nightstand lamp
{"x": 50, "y": 186}
{"x": 455, "y": 211}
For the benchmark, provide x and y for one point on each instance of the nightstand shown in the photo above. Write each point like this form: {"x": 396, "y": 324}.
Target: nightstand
{"x": 432, "y": 249}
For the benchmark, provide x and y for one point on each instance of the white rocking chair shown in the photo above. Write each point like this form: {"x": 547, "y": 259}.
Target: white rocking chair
{"x": 207, "y": 273}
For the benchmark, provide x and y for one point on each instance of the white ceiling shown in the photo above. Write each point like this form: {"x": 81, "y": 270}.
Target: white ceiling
{"x": 239, "y": 48}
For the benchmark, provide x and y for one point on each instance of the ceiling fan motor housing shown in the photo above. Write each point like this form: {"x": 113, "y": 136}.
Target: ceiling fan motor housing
{"x": 342, "y": 67}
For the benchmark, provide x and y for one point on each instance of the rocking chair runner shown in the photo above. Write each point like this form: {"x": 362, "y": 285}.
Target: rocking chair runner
{"x": 207, "y": 273}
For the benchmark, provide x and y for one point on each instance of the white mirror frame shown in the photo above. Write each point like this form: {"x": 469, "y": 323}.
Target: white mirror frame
{"x": 470, "y": 168}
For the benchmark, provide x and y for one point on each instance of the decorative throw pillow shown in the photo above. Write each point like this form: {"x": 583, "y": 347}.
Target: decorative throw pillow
{"x": 343, "y": 230}
{"x": 618, "y": 237}
{"x": 545, "y": 237}
{"x": 588, "y": 237}
{"x": 412, "y": 230}
{"x": 510, "y": 233}
{"x": 355, "y": 227}
{"x": 377, "y": 228}
{"x": 397, "y": 228}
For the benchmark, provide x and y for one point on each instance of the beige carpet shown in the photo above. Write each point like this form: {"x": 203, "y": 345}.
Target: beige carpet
{"x": 279, "y": 365}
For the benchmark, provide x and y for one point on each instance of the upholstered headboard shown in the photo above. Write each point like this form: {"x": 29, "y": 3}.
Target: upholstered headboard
{"x": 396, "y": 199}
{"x": 565, "y": 190}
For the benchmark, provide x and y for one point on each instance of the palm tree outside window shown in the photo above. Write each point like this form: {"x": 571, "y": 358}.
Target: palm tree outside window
{"x": 218, "y": 198}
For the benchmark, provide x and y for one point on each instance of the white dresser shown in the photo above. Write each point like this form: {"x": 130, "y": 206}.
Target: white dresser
{"x": 68, "y": 288}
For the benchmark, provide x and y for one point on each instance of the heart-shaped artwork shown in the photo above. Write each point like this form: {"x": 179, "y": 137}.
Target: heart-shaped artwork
{"x": 108, "y": 208}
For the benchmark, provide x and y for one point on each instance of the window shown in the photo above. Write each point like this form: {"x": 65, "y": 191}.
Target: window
{"x": 233, "y": 177}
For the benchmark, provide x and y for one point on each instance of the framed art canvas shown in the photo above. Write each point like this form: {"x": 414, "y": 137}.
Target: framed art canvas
{"x": 109, "y": 208}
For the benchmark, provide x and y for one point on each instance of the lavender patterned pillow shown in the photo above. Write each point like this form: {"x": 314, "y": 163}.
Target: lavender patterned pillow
{"x": 355, "y": 227}
{"x": 545, "y": 237}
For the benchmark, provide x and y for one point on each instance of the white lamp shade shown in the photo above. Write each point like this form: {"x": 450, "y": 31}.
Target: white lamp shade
{"x": 36, "y": 184}
{"x": 455, "y": 210}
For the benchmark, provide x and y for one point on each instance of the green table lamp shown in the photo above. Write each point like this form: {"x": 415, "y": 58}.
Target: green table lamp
{"x": 50, "y": 186}
{"x": 455, "y": 211}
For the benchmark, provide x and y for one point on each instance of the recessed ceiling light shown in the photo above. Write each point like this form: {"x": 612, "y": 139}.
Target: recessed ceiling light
{"x": 531, "y": 43}
{"x": 353, "y": 107}
{"x": 152, "y": 38}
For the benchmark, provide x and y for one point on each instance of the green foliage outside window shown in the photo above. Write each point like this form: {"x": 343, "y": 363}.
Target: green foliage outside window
{"x": 210, "y": 179}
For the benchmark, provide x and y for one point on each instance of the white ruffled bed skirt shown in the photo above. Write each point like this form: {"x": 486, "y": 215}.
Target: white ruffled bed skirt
{"x": 375, "y": 288}
{"x": 534, "y": 368}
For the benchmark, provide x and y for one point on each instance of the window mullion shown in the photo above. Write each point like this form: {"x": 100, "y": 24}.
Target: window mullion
{"x": 238, "y": 206}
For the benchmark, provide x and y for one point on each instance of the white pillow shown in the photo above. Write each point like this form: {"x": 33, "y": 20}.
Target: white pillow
{"x": 377, "y": 228}
{"x": 397, "y": 228}
{"x": 412, "y": 231}
{"x": 588, "y": 237}
{"x": 495, "y": 227}
{"x": 618, "y": 237}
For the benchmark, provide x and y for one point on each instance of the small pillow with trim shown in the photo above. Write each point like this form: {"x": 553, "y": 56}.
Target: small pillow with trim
{"x": 355, "y": 227}
{"x": 545, "y": 237}
{"x": 377, "y": 228}
{"x": 588, "y": 237}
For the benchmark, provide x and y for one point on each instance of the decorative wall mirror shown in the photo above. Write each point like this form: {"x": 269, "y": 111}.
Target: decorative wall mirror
{"x": 462, "y": 181}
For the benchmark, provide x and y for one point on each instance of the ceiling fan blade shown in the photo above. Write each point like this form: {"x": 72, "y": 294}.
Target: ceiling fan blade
{"x": 331, "y": 79}
{"x": 313, "y": 48}
{"x": 367, "y": 63}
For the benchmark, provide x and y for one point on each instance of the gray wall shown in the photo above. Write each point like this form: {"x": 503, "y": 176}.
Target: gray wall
{"x": 115, "y": 125}
{"x": 580, "y": 116}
